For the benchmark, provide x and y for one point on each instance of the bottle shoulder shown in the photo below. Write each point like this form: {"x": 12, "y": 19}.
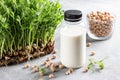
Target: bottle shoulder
{"x": 73, "y": 24}
{"x": 72, "y": 31}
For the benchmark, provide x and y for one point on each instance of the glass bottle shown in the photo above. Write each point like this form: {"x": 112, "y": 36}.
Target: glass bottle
{"x": 73, "y": 40}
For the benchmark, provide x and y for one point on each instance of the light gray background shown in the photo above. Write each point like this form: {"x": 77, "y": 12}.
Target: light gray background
{"x": 110, "y": 48}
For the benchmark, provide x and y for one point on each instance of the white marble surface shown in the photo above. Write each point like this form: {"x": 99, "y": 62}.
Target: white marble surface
{"x": 108, "y": 48}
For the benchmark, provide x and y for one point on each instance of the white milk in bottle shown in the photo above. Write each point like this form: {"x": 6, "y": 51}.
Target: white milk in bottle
{"x": 73, "y": 40}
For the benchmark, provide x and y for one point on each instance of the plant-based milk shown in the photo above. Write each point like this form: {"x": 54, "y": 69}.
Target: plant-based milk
{"x": 73, "y": 41}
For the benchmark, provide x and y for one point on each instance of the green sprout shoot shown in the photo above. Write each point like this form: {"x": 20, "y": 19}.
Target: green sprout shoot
{"x": 42, "y": 71}
{"x": 24, "y": 22}
{"x": 93, "y": 62}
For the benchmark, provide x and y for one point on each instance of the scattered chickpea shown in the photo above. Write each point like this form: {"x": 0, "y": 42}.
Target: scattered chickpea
{"x": 52, "y": 68}
{"x": 92, "y": 53}
{"x": 88, "y": 44}
{"x": 34, "y": 66}
{"x": 56, "y": 64}
{"x": 69, "y": 71}
{"x": 85, "y": 70}
{"x": 53, "y": 56}
{"x": 35, "y": 69}
{"x": 60, "y": 66}
{"x": 48, "y": 64}
{"x": 44, "y": 62}
{"x": 27, "y": 65}
{"x": 51, "y": 76}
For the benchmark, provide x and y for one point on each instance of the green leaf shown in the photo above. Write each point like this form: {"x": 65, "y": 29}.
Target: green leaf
{"x": 89, "y": 66}
{"x": 42, "y": 70}
{"x": 101, "y": 65}
{"x": 94, "y": 62}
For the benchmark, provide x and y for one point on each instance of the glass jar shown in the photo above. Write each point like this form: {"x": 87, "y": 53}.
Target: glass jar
{"x": 100, "y": 25}
{"x": 73, "y": 40}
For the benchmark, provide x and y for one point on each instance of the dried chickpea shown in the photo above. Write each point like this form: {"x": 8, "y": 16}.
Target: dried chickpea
{"x": 52, "y": 68}
{"x": 44, "y": 62}
{"x": 51, "y": 76}
{"x": 48, "y": 64}
{"x": 85, "y": 70}
{"x": 27, "y": 65}
{"x": 35, "y": 69}
{"x": 69, "y": 71}
{"x": 88, "y": 44}
{"x": 53, "y": 56}
{"x": 98, "y": 21}
{"x": 92, "y": 53}
{"x": 61, "y": 66}
{"x": 34, "y": 66}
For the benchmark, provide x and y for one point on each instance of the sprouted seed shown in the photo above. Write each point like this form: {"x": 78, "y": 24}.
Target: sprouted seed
{"x": 54, "y": 52}
{"x": 93, "y": 62}
{"x": 25, "y": 24}
{"x": 41, "y": 71}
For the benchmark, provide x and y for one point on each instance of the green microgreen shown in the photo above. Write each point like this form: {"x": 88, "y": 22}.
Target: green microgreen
{"x": 42, "y": 70}
{"x": 93, "y": 62}
{"x": 24, "y": 22}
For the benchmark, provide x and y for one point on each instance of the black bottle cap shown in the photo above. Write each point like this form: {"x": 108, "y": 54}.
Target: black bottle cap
{"x": 72, "y": 15}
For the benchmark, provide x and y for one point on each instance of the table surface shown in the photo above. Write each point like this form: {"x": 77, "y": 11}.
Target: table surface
{"x": 109, "y": 48}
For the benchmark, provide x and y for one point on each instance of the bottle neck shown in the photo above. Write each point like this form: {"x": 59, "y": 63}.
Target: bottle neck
{"x": 73, "y": 23}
